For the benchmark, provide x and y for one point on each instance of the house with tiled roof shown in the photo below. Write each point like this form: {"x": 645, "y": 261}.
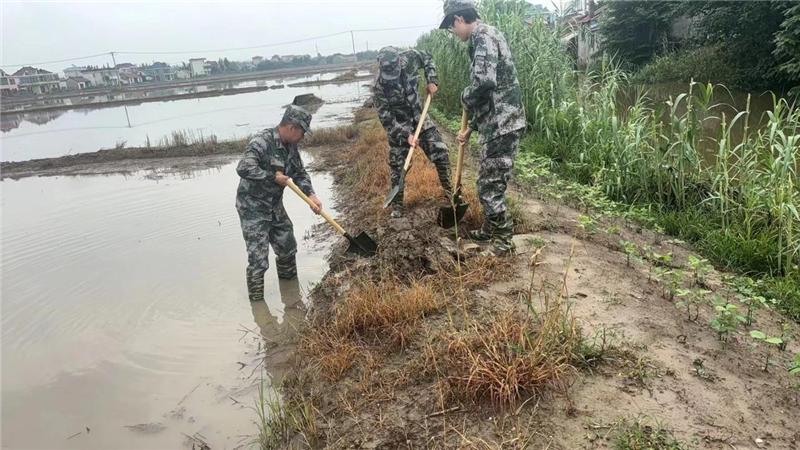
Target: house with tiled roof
{"x": 7, "y": 83}
{"x": 36, "y": 81}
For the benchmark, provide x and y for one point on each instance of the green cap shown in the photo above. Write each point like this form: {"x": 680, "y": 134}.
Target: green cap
{"x": 451, "y": 7}
{"x": 389, "y": 62}
{"x": 298, "y": 116}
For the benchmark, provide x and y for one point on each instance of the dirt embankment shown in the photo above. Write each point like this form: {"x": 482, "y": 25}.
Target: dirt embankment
{"x": 179, "y": 155}
{"x": 573, "y": 343}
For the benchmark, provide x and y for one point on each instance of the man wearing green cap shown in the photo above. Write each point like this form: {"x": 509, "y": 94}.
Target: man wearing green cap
{"x": 493, "y": 100}
{"x": 270, "y": 160}
{"x": 396, "y": 94}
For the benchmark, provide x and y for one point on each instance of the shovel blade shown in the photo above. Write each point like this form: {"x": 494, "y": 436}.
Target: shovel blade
{"x": 362, "y": 245}
{"x": 395, "y": 190}
{"x": 449, "y": 216}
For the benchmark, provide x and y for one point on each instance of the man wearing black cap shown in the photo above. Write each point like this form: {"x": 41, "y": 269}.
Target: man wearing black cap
{"x": 493, "y": 100}
{"x": 270, "y": 160}
{"x": 396, "y": 95}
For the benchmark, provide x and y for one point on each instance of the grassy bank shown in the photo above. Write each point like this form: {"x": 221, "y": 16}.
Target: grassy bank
{"x": 739, "y": 208}
{"x": 422, "y": 346}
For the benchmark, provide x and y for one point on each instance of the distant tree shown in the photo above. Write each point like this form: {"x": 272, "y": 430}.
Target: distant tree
{"x": 747, "y": 34}
{"x": 787, "y": 44}
{"x": 636, "y": 31}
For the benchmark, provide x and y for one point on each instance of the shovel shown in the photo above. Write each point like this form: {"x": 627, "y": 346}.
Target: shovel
{"x": 396, "y": 189}
{"x": 449, "y": 216}
{"x": 362, "y": 244}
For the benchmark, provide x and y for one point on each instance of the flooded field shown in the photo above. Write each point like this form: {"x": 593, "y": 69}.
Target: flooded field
{"x": 125, "y": 317}
{"x": 58, "y": 133}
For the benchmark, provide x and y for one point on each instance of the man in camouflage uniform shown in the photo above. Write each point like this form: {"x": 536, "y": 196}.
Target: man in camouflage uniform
{"x": 493, "y": 100}
{"x": 270, "y": 160}
{"x": 396, "y": 95}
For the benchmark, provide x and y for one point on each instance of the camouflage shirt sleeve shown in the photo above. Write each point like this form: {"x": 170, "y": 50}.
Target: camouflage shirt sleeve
{"x": 299, "y": 174}
{"x": 256, "y": 160}
{"x": 430, "y": 68}
{"x": 484, "y": 73}
{"x": 395, "y": 130}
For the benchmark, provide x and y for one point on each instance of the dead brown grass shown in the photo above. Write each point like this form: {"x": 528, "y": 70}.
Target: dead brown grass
{"x": 514, "y": 357}
{"x": 384, "y": 311}
{"x": 332, "y": 354}
{"x": 332, "y": 136}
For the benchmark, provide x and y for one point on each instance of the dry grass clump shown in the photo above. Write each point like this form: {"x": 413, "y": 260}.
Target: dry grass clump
{"x": 514, "y": 357}
{"x": 332, "y": 354}
{"x": 385, "y": 311}
{"x": 332, "y": 136}
{"x": 383, "y": 314}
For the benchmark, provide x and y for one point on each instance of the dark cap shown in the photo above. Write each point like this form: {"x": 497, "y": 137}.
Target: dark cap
{"x": 389, "y": 62}
{"x": 297, "y": 115}
{"x": 451, "y": 7}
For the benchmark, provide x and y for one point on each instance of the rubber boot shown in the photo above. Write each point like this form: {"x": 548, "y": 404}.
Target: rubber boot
{"x": 502, "y": 235}
{"x": 255, "y": 287}
{"x": 484, "y": 233}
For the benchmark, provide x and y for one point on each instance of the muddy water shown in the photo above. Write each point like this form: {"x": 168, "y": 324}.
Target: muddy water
{"x": 125, "y": 318}
{"x": 58, "y": 133}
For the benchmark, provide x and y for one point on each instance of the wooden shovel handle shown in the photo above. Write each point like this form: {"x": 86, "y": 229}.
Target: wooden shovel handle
{"x": 460, "y": 160}
{"x": 322, "y": 213}
{"x": 418, "y": 130}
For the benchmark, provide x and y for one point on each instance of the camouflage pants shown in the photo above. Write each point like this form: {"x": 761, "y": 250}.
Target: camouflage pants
{"x": 259, "y": 233}
{"x": 434, "y": 148}
{"x": 496, "y": 165}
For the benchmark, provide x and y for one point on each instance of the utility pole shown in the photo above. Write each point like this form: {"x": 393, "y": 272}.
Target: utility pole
{"x": 367, "y": 45}
{"x": 353, "y": 40}
{"x": 113, "y": 59}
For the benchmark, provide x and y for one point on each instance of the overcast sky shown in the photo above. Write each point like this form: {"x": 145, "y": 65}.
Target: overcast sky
{"x": 34, "y": 31}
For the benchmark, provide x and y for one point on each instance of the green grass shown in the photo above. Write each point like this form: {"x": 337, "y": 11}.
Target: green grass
{"x": 639, "y": 435}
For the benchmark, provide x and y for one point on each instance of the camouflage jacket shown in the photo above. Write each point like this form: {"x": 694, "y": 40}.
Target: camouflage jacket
{"x": 398, "y": 101}
{"x": 493, "y": 98}
{"x": 266, "y": 154}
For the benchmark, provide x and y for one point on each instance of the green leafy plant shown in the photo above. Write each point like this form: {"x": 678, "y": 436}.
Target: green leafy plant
{"x": 700, "y": 269}
{"x": 691, "y": 299}
{"x": 769, "y": 341}
{"x": 753, "y": 304}
{"x": 727, "y": 318}
{"x": 674, "y": 282}
{"x": 631, "y": 251}
{"x": 794, "y": 366}
{"x": 587, "y": 224}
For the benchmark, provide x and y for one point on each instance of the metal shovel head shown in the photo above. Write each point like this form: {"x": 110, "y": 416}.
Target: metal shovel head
{"x": 395, "y": 190}
{"x": 362, "y": 244}
{"x": 449, "y": 216}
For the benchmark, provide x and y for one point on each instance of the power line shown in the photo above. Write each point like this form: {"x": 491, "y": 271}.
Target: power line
{"x": 56, "y": 61}
{"x": 253, "y": 47}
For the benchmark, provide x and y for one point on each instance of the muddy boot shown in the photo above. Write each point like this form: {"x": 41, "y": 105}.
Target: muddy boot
{"x": 397, "y": 207}
{"x": 484, "y": 233}
{"x": 255, "y": 287}
{"x": 286, "y": 267}
{"x": 502, "y": 236}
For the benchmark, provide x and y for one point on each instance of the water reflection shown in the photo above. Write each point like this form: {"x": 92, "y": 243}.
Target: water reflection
{"x": 9, "y": 122}
{"x": 225, "y": 116}
{"x": 280, "y": 333}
